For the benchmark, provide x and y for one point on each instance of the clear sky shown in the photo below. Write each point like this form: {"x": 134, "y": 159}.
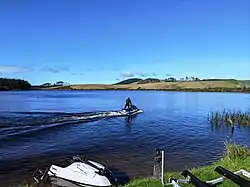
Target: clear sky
{"x": 101, "y": 41}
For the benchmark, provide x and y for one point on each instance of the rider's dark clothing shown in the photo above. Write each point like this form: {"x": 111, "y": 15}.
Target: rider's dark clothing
{"x": 128, "y": 103}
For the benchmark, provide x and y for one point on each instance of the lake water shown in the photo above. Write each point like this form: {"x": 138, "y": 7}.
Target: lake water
{"x": 33, "y": 134}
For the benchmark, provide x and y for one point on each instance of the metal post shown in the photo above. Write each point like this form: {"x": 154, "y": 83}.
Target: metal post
{"x": 162, "y": 167}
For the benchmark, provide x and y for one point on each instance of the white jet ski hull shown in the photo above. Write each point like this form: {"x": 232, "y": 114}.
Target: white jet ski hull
{"x": 119, "y": 113}
{"x": 81, "y": 173}
{"x": 122, "y": 113}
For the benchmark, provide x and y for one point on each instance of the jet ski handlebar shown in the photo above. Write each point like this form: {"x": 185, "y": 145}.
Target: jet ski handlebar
{"x": 84, "y": 160}
{"x": 101, "y": 171}
{"x": 79, "y": 158}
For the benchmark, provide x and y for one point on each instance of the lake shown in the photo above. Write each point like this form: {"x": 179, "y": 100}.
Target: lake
{"x": 35, "y": 132}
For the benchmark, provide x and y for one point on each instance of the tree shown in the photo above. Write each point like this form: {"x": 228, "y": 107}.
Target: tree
{"x": 170, "y": 79}
{"x": 59, "y": 83}
{"x": 197, "y": 79}
{"x": 14, "y": 84}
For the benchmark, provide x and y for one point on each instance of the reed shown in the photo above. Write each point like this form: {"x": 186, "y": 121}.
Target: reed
{"x": 236, "y": 151}
{"x": 230, "y": 117}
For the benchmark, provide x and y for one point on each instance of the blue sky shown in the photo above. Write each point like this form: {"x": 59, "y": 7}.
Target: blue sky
{"x": 101, "y": 41}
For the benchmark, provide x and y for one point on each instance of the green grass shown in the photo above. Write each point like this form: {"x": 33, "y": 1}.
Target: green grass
{"x": 24, "y": 184}
{"x": 236, "y": 158}
{"x": 246, "y": 83}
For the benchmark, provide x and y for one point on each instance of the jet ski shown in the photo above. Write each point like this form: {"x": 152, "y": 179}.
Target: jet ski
{"x": 126, "y": 112}
{"x": 81, "y": 172}
{"x": 118, "y": 113}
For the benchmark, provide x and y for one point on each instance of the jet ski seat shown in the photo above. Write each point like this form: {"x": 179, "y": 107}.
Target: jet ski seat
{"x": 133, "y": 107}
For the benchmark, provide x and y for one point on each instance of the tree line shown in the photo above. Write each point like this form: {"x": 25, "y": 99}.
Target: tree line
{"x": 14, "y": 84}
{"x": 58, "y": 83}
{"x": 172, "y": 79}
{"x": 169, "y": 79}
{"x": 154, "y": 80}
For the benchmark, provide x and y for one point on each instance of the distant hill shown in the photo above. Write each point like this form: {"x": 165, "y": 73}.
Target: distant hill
{"x": 139, "y": 81}
{"x": 246, "y": 83}
{"x": 149, "y": 80}
{"x": 129, "y": 81}
{"x": 195, "y": 86}
{"x": 243, "y": 83}
{"x": 228, "y": 80}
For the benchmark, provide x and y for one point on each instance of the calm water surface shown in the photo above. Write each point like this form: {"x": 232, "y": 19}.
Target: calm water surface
{"x": 36, "y": 130}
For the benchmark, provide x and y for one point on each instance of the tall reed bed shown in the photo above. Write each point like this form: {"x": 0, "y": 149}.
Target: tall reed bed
{"x": 230, "y": 117}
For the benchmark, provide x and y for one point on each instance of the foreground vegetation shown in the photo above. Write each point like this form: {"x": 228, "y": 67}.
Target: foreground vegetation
{"x": 241, "y": 118}
{"x": 235, "y": 158}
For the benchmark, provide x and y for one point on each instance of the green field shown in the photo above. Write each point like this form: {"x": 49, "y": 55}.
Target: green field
{"x": 210, "y": 85}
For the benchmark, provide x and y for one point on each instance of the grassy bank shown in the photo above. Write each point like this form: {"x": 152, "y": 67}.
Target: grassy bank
{"x": 236, "y": 157}
{"x": 198, "y": 86}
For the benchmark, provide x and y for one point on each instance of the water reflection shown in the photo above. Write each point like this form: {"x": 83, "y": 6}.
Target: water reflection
{"x": 234, "y": 133}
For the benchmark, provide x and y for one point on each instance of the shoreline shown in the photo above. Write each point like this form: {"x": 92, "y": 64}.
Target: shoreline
{"x": 235, "y": 157}
{"x": 219, "y": 85}
{"x": 247, "y": 91}
{"x": 224, "y": 90}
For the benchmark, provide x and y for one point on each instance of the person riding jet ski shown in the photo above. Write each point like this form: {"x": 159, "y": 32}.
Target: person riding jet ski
{"x": 128, "y": 104}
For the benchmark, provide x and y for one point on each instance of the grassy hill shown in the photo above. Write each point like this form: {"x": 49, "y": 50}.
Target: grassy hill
{"x": 129, "y": 81}
{"x": 245, "y": 83}
{"x": 215, "y": 85}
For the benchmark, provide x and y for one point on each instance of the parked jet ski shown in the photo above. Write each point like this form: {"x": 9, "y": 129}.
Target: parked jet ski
{"x": 81, "y": 172}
